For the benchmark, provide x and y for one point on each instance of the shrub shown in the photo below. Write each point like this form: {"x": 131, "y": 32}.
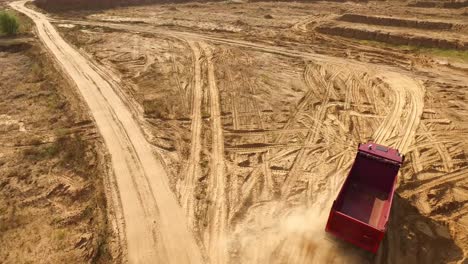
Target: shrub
{"x": 9, "y": 24}
{"x": 38, "y": 153}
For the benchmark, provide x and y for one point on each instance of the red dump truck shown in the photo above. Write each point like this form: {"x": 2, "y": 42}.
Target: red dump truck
{"x": 360, "y": 213}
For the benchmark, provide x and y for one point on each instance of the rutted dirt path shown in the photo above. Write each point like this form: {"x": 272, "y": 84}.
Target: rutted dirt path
{"x": 407, "y": 94}
{"x": 190, "y": 181}
{"x": 217, "y": 183}
{"x": 155, "y": 226}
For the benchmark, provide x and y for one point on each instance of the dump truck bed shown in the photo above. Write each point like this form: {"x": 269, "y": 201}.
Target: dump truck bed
{"x": 365, "y": 204}
{"x": 361, "y": 211}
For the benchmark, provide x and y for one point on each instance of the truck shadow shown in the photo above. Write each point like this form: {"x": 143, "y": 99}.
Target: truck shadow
{"x": 414, "y": 238}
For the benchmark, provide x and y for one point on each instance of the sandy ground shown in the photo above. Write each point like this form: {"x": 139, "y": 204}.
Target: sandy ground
{"x": 256, "y": 110}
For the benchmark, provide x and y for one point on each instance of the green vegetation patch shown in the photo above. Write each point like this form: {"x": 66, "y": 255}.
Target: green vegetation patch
{"x": 456, "y": 54}
{"x": 9, "y": 23}
{"x": 71, "y": 148}
{"x": 459, "y": 55}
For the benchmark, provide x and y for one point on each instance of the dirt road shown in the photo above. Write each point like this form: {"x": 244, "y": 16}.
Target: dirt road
{"x": 155, "y": 226}
{"x": 217, "y": 185}
{"x": 190, "y": 182}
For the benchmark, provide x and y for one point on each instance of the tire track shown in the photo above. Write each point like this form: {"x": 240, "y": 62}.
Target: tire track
{"x": 415, "y": 94}
{"x": 301, "y": 25}
{"x": 303, "y": 102}
{"x": 321, "y": 80}
{"x": 368, "y": 87}
{"x": 191, "y": 180}
{"x": 462, "y": 212}
{"x": 264, "y": 132}
{"x": 441, "y": 149}
{"x": 417, "y": 166}
{"x": 234, "y": 98}
{"x": 406, "y": 92}
{"x": 354, "y": 84}
{"x": 315, "y": 88}
{"x": 178, "y": 82}
{"x": 386, "y": 128}
{"x": 217, "y": 245}
{"x": 440, "y": 180}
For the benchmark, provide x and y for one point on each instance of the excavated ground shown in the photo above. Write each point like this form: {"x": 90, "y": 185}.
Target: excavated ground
{"x": 257, "y": 113}
{"x": 52, "y": 165}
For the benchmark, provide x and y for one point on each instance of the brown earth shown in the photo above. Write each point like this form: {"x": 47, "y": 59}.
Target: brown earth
{"x": 401, "y": 31}
{"x": 398, "y": 22}
{"x": 440, "y": 4}
{"x": 61, "y": 5}
{"x": 394, "y": 37}
{"x": 53, "y": 205}
{"x": 256, "y": 114}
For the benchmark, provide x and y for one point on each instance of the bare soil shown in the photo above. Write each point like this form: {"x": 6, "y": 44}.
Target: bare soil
{"x": 395, "y": 37}
{"x": 53, "y": 205}
{"x": 256, "y": 111}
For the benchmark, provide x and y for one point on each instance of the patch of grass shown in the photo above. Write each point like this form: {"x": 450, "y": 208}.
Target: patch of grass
{"x": 102, "y": 252}
{"x": 61, "y": 132}
{"x": 157, "y": 108}
{"x": 73, "y": 152}
{"x": 70, "y": 149}
{"x": 36, "y": 71}
{"x": 35, "y": 141}
{"x": 42, "y": 152}
{"x": 9, "y": 23}
{"x": 54, "y": 102}
{"x": 98, "y": 216}
{"x": 460, "y": 55}
{"x": 447, "y": 53}
{"x": 387, "y": 45}
{"x": 26, "y": 24}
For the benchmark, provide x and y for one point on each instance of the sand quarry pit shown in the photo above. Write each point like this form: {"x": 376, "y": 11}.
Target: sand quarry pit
{"x": 255, "y": 110}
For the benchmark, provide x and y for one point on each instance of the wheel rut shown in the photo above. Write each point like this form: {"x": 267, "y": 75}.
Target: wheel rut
{"x": 190, "y": 180}
{"x": 217, "y": 245}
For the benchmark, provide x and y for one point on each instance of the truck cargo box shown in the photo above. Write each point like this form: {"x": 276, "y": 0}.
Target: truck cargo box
{"x": 361, "y": 211}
